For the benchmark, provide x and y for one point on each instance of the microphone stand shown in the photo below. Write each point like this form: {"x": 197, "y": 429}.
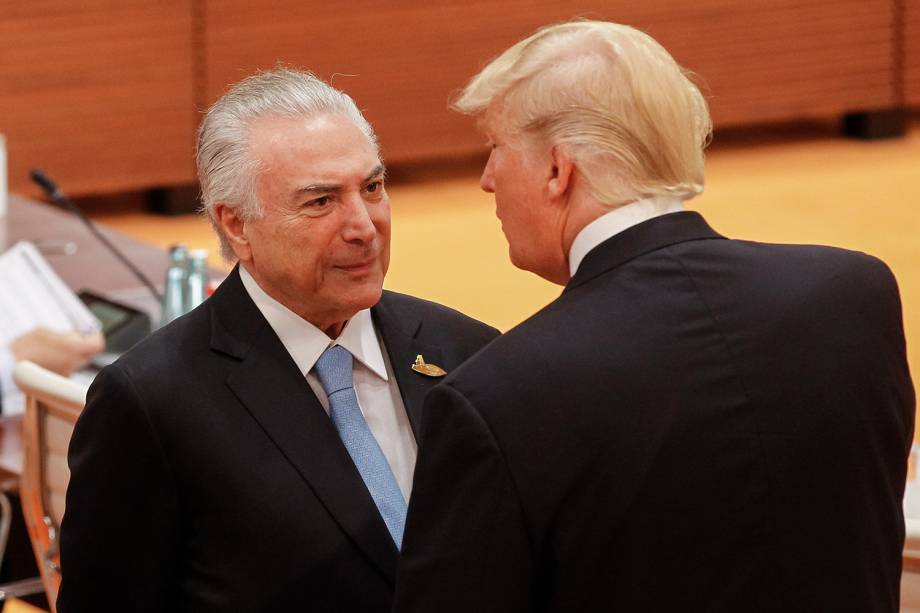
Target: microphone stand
{"x": 59, "y": 198}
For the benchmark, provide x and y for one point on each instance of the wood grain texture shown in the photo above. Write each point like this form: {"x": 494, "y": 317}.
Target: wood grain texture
{"x": 761, "y": 60}
{"x": 104, "y": 93}
{"x": 98, "y": 92}
{"x": 774, "y": 61}
{"x": 911, "y": 53}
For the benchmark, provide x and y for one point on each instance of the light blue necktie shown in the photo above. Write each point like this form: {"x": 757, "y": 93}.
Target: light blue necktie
{"x": 334, "y": 371}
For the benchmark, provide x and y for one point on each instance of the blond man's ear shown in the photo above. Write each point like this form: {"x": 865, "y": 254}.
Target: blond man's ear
{"x": 560, "y": 180}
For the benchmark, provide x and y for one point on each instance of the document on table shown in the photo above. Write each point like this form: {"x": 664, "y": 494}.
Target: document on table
{"x": 32, "y": 295}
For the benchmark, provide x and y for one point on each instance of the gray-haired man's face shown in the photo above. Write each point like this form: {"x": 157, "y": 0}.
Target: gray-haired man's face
{"x": 322, "y": 247}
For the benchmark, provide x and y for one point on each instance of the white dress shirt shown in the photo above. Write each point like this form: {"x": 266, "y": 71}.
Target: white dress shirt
{"x": 616, "y": 221}
{"x": 375, "y": 385}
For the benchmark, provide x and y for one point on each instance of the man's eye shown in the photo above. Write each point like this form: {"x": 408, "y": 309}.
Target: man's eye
{"x": 318, "y": 202}
{"x": 374, "y": 186}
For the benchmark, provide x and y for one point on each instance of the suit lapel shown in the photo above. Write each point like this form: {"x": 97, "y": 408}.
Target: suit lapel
{"x": 278, "y": 397}
{"x": 400, "y": 333}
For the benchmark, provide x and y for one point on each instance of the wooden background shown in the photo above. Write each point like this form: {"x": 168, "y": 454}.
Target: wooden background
{"x": 910, "y": 56}
{"x": 106, "y": 94}
{"x": 98, "y": 92}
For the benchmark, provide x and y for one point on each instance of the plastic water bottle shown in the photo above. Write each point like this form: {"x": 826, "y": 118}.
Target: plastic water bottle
{"x": 196, "y": 284}
{"x": 174, "y": 296}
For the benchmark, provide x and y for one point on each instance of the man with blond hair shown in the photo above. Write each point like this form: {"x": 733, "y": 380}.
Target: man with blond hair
{"x": 696, "y": 423}
{"x": 256, "y": 455}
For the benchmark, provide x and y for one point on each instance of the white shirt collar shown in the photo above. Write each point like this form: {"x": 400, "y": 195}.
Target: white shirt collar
{"x": 617, "y": 220}
{"x": 305, "y": 342}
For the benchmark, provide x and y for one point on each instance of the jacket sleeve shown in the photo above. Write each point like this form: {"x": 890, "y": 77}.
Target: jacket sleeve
{"x": 466, "y": 546}
{"x": 120, "y": 529}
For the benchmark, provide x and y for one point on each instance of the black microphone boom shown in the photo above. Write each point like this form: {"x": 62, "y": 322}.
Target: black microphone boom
{"x": 60, "y": 199}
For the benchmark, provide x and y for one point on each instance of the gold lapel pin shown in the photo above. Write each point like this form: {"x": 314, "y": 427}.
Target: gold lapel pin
{"x": 429, "y": 370}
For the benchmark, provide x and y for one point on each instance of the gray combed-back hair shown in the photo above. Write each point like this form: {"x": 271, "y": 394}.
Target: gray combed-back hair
{"x": 227, "y": 171}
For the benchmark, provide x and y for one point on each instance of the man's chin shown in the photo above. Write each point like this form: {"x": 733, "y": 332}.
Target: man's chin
{"x": 365, "y": 297}
{"x": 553, "y": 272}
{"x": 520, "y": 262}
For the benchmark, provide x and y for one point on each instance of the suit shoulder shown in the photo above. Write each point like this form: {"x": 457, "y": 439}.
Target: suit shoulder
{"x": 859, "y": 262}
{"x": 819, "y": 254}
{"x": 437, "y": 314}
{"x": 829, "y": 265}
{"x": 528, "y": 347}
{"x": 163, "y": 349}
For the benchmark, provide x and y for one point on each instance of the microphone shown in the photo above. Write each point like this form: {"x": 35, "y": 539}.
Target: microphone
{"x": 59, "y": 198}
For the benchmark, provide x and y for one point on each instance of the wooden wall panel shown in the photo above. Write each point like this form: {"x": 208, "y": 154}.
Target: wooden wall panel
{"x": 103, "y": 93}
{"x": 762, "y": 60}
{"x": 911, "y": 52}
{"x": 776, "y": 60}
{"x": 98, "y": 92}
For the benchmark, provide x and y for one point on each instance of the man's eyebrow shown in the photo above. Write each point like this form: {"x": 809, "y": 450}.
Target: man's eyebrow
{"x": 317, "y": 188}
{"x": 378, "y": 170}
{"x": 334, "y": 188}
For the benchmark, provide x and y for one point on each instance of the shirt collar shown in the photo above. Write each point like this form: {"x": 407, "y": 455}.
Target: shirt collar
{"x": 305, "y": 342}
{"x": 617, "y": 220}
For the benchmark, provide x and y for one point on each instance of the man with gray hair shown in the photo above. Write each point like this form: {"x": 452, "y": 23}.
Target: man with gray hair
{"x": 257, "y": 454}
{"x": 696, "y": 423}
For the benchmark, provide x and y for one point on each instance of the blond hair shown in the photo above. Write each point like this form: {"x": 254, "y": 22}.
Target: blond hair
{"x": 609, "y": 95}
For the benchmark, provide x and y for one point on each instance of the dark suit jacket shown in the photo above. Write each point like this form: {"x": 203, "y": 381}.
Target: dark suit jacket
{"x": 206, "y": 476}
{"x": 695, "y": 424}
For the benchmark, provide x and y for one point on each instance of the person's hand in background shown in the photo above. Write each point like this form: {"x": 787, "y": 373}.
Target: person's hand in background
{"x": 62, "y": 352}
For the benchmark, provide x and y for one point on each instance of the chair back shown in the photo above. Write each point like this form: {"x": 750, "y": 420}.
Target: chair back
{"x": 52, "y": 405}
{"x": 910, "y": 575}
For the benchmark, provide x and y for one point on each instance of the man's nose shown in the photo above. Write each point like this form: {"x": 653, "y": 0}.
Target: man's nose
{"x": 487, "y": 181}
{"x": 359, "y": 226}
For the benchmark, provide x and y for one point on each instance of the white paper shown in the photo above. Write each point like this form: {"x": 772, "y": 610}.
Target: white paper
{"x": 32, "y": 295}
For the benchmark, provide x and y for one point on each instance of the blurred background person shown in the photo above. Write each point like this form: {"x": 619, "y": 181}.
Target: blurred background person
{"x": 61, "y": 352}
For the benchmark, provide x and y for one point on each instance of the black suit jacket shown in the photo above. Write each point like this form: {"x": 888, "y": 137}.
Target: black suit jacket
{"x": 206, "y": 476}
{"x": 695, "y": 424}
